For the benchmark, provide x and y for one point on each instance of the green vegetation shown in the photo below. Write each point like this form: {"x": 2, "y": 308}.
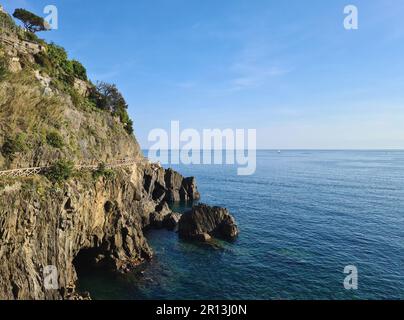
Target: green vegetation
{"x": 107, "y": 97}
{"x": 12, "y": 146}
{"x": 32, "y": 37}
{"x": 6, "y": 21}
{"x": 60, "y": 171}
{"x": 43, "y": 60}
{"x": 79, "y": 71}
{"x": 31, "y": 21}
{"x": 45, "y": 118}
{"x": 54, "y": 139}
{"x": 102, "y": 171}
{"x": 62, "y": 67}
{"x": 34, "y": 185}
{"x": 56, "y": 63}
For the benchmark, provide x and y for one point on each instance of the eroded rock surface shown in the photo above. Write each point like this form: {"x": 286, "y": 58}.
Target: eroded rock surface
{"x": 42, "y": 224}
{"x": 170, "y": 186}
{"x": 203, "y": 222}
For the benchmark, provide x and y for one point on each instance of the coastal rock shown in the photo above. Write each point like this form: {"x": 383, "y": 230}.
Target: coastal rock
{"x": 42, "y": 226}
{"x": 163, "y": 217}
{"x": 202, "y": 237}
{"x": 180, "y": 188}
{"x": 77, "y": 224}
{"x": 156, "y": 220}
{"x": 168, "y": 185}
{"x": 84, "y": 219}
{"x": 203, "y": 220}
{"x": 171, "y": 221}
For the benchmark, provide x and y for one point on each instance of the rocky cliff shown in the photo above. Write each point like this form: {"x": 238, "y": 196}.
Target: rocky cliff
{"x": 77, "y": 209}
{"x": 50, "y": 112}
{"x": 42, "y": 224}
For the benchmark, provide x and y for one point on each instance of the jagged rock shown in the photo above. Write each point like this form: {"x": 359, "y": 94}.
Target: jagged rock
{"x": 180, "y": 188}
{"x": 171, "y": 221}
{"x": 14, "y": 65}
{"x": 157, "y": 217}
{"x": 82, "y": 87}
{"x": 40, "y": 228}
{"x": 170, "y": 186}
{"x": 156, "y": 220}
{"x": 203, "y": 220}
{"x": 163, "y": 217}
{"x": 163, "y": 208}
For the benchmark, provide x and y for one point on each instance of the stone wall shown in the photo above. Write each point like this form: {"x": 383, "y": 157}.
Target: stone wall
{"x": 12, "y": 42}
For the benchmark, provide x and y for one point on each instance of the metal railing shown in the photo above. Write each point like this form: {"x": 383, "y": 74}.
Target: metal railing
{"x": 26, "y": 172}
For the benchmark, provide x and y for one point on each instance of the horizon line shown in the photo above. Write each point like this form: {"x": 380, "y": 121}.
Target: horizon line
{"x": 289, "y": 149}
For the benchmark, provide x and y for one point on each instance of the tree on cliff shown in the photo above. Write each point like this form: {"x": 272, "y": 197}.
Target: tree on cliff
{"x": 32, "y": 22}
{"x": 107, "y": 97}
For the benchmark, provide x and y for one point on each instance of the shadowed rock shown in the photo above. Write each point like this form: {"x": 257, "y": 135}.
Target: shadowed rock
{"x": 163, "y": 217}
{"x": 170, "y": 186}
{"x": 203, "y": 222}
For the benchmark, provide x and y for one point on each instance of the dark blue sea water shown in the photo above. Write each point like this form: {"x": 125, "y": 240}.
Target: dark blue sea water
{"x": 303, "y": 217}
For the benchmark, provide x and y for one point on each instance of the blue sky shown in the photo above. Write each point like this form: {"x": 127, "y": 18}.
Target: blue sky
{"x": 286, "y": 68}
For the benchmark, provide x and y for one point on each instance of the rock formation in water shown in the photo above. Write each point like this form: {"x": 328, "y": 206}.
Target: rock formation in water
{"x": 163, "y": 217}
{"x": 170, "y": 186}
{"x": 203, "y": 222}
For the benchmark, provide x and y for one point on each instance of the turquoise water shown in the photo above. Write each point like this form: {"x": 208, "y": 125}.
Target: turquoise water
{"x": 303, "y": 217}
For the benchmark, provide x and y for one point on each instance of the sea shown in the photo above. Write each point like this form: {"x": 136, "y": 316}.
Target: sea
{"x": 304, "y": 217}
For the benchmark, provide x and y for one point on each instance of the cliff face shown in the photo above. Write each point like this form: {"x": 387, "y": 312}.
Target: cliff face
{"x": 42, "y": 225}
{"x": 31, "y": 118}
{"x": 45, "y": 118}
{"x": 46, "y": 111}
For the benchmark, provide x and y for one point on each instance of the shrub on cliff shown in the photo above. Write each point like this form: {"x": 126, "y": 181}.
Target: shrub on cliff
{"x": 43, "y": 60}
{"x": 11, "y": 146}
{"x": 60, "y": 171}
{"x": 79, "y": 71}
{"x": 58, "y": 57}
{"x": 58, "y": 65}
{"x": 54, "y": 139}
{"x": 103, "y": 171}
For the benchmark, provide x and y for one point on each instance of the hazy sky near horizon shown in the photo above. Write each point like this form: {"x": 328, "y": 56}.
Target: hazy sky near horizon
{"x": 286, "y": 68}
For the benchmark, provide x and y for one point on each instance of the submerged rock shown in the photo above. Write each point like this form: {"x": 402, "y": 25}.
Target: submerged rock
{"x": 203, "y": 222}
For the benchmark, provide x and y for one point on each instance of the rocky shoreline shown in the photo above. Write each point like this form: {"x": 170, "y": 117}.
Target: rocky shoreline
{"x": 103, "y": 221}
{"x": 77, "y": 216}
